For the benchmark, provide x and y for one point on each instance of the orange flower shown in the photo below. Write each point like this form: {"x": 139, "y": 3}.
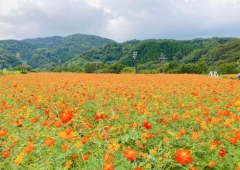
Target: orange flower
{"x": 85, "y": 157}
{"x": 193, "y": 168}
{"x": 113, "y": 147}
{"x": 65, "y": 147}
{"x": 49, "y": 142}
{"x": 78, "y": 144}
{"x": 130, "y": 154}
{"x": 3, "y": 132}
{"x": 107, "y": 157}
{"x": 147, "y": 125}
{"x": 46, "y": 111}
{"x": 222, "y": 152}
{"x": 147, "y": 136}
{"x": 182, "y": 156}
{"x": 106, "y": 127}
{"x": 84, "y": 140}
{"x": 75, "y": 156}
{"x": 165, "y": 139}
{"x": 216, "y": 142}
{"x": 58, "y": 124}
{"x": 6, "y": 153}
{"x": 181, "y": 133}
{"x": 29, "y": 148}
{"x": 34, "y": 120}
{"x": 137, "y": 168}
{"x": 99, "y": 116}
{"x": 68, "y": 164}
{"x": 108, "y": 166}
{"x": 195, "y": 135}
{"x": 62, "y": 106}
{"x": 68, "y": 134}
{"x": 66, "y": 116}
{"x": 19, "y": 158}
{"x": 134, "y": 125}
{"x": 212, "y": 164}
{"x": 37, "y": 134}
{"x": 103, "y": 135}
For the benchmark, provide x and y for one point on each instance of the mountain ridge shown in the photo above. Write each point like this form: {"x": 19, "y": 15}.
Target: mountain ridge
{"x": 79, "y": 49}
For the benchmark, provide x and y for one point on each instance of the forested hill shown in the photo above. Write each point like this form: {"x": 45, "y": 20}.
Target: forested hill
{"x": 147, "y": 50}
{"x": 75, "y": 51}
{"x": 76, "y": 43}
{"x": 208, "y": 42}
{"x": 40, "y": 52}
{"x": 228, "y": 52}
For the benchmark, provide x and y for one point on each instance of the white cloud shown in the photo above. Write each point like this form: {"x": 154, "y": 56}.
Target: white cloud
{"x": 120, "y": 19}
{"x": 93, "y": 3}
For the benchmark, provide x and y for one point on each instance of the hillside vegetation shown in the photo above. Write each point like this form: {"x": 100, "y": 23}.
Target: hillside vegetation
{"x": 80, "y": 53}
{"x": 40, "y": 52}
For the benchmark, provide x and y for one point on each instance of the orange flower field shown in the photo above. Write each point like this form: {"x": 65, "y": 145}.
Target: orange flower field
{"x": 117, "y": 122}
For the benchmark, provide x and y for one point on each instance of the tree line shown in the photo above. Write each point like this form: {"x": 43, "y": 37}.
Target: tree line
{"x": 80, "y": 53}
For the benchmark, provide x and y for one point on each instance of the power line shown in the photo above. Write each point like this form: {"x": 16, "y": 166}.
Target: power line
{"x": 135, "y": 61}
{"x": 162, "y": 57}
{"x": 96, "y": 64}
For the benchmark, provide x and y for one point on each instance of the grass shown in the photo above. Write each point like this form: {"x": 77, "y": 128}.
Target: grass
{"x": 8, "y": 72}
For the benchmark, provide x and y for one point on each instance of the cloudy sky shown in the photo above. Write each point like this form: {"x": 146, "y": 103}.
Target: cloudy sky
{"x": 120, "y": 20}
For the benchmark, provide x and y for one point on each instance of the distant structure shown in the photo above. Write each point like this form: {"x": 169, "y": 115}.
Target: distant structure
{"x": 162, "y": 57}
{"x": 213, "y": 74}
{"x": 96, "y": 64}
{"x": 135, "y": 61}
{"x": 238, "y": 76}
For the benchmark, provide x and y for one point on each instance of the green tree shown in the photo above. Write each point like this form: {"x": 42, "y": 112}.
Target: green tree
{"x": 89, "y": 67}
{"x": 228, "y": 68}
{"x": 74, "y": 68}
{"x": 188, "y": 68}
{"x": 202, "y": 67}
{"x": 115, "y": 68}
{"x": 127, "y": 70}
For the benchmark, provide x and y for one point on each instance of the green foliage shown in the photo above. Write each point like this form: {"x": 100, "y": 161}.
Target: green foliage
{"x": 188, "y": 68}
{"x": 41, "y": 51}
{"x": 109, "y": 53}
{"x": 8, "y": 60}
{"x": 90, "y": 67}
{"x": 24, "y": 72}
{"x": 228, "y": 68}
{"x": 74, "y": 68}
{"x": 208, "y": 42}
{"x": 228, "y": 52}
{"x": 127, "y": 70}
{"x": 114, "y": 68}
{"x": 57, "y": 68}
{"x": 76, "y": 53}
{"x": 191, "y": 68}
{"x": 8, "y": 72}
{"x": 22, "y": 68}
{"x": 154, "y": 71}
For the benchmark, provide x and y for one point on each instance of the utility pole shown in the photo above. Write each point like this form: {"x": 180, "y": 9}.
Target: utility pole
{"x": 1, "y": 73}
{"x": 60, "y": 68}
{"x": 24, "y": 65}
{"x": 162, "y": 57}
{"x": 96, "y": 63}
{"x": 48, "y": 68}
{"x": 135, "y": 61}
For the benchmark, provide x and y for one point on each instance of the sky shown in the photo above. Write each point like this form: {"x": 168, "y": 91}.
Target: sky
{"x": 120, "y": 20}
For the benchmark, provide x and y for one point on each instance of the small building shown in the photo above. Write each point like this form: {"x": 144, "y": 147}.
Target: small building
{"x": 238, "y": 76}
